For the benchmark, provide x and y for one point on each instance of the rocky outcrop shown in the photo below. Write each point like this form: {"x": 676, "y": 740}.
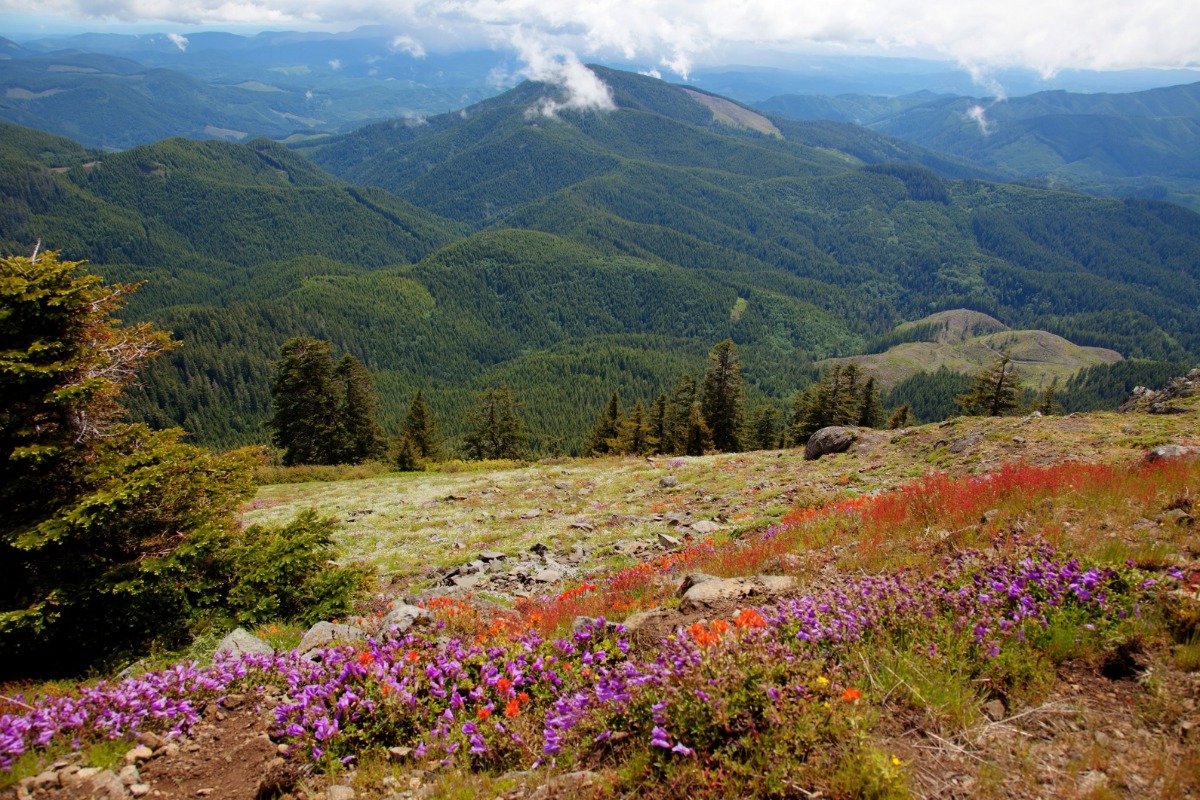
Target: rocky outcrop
{"x": 1150, "y": 401}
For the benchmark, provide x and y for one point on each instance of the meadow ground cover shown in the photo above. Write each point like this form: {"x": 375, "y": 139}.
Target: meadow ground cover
{"x": 924, "y": 602}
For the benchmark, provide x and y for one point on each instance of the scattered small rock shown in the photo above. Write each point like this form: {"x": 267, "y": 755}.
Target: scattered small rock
{"x": 491, "y": 555}
{"x": 995, "y": 710}
{"x": 532, "y": 514}
{"x": 139, "y": 753}
{"x": 960, "y": 446}
{"x": 705, "y": 526}
{"x": 548, "y": 576}
{"x": 667, "y": 541}
{"x": 339, "y": 793}
{"x": 539, "y": 549}
{"x": 668, "y": 481}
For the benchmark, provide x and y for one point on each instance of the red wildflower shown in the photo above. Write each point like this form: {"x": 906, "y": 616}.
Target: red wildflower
{"x": 483, "y": 713}
{"x": 851, "y": 694}
{"x": 366, "y": 657}
{"x": 504, "y": 685}
{"x": 512, "y": 709}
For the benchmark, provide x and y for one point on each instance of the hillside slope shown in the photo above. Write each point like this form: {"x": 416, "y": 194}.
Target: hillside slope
{"x": 967, "y": 342}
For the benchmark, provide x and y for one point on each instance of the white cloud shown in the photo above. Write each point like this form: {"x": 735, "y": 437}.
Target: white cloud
{"x": 409, "y": 45}
{"x": 335, "y": 64}
{"x": 179, "y": 41}
{"x": 978, "y": 114}
{"x": 1047, "y": 35}
{"x": 582, "y": 88}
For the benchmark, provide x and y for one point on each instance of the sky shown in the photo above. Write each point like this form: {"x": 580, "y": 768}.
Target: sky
{"x": 679, "y": 35}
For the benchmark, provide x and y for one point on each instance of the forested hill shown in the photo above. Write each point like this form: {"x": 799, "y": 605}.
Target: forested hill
{"x": 602, "y": 250}
{"x": 491, "y": 158}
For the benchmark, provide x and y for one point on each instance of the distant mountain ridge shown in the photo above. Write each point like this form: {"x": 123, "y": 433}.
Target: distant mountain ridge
{"x": 572, "y": 254}
{"x": 1138, "y": 144}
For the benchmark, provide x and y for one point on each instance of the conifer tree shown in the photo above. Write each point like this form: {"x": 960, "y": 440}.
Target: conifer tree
{"x": 361, "y": 435}
{"x": 607, "y": 428}
{"x": 870, "y": 406}
{"x": 722, "y": 402}
{"x": 1048, "y": 404}
{"x": 406, "y": 457}
{"x": 421, "y": 429}
{"x": 634, "y": 437}
{"x": 306, "y": 418}
{"x": 994, "y": 392}
{"x": 659, "y": 432}
{"x": 112, "y": 536}
{"x": 764, "y": 428}
{"x": 900, "y": 417}
{"x": 697, "y": 438}
{"x": 840, "y": 397}
{"x": 494, "y": 428}
{"x": 678, "y": 412}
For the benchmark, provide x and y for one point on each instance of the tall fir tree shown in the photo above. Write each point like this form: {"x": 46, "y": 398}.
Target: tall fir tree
{"x": 607, "y": 428}
{"x": 722, "y": 400}
{"x": 678, "y": 411}
{"x": 361, "y": 435}
{"x": 764, "y": 428}
{"x": 494, "y": 429}
{"x": 659, "y": 425}
{"x": 697, "y": 438}
{"x": 835, "y": 399}
{"x": 635, "y": 433}
{"x": 422, "y": 429}
{"x": 870, "y": 406}
{"x": 994, "y": 392}
{"x": 306, "y": 417}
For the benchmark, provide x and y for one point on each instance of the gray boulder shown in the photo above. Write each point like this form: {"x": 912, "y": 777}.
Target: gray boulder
{"x": 834, "y": 439}
{"x": 324, "y": 634}
{"x": 707, "y": 594}
{"x": 1166, "y": 451}
{"x": 242, "y": 641}
{"x": 397, "y": 621}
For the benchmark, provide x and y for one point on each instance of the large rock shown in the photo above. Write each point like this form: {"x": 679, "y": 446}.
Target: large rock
{"x": 397, "y": 621}
{"x": 833, "y": 439}
{"x": 242, "y": 641}
{"x": 1168, "y": 451}
{"x": 708, "y": 594}
{"x": 324, "y": 634}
